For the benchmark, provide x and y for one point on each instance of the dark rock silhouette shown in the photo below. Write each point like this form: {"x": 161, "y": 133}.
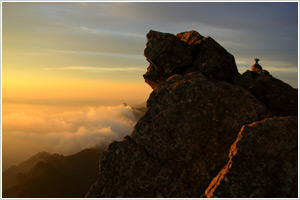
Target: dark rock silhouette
{"x": 191, "y": 122}
{"x": 188, "y": 52}
{"x": 46, "y": 175}
{"x": 198, "y": 105}
{"x": 214, "y": 61}
{"x": 167, "y": 55}
{"x": 279, "y": 97}
{"x": 263, "y": 162}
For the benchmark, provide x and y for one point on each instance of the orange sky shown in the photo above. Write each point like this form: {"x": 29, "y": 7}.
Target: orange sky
{"x": 30, "y": 78}
{"x": 49, "y": 52}
{"x": 62, "y": 58}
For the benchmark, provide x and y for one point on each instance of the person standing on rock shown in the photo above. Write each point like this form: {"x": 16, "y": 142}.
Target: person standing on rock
{"x": 256, "y": 67}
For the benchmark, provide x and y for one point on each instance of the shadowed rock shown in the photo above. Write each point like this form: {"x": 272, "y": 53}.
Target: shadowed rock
{"x": 263, "y": 162}
{"x": 182, "y": 141}
{"x": 279, "y": 97}
{"x": 214, "y": 61}
{"x": 184, "y": 53}
{"x": 167, "y": 55}
{"x": 194, "y": 115}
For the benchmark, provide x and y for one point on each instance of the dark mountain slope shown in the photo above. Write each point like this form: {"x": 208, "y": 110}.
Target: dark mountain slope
{"x": 52, "y": 176}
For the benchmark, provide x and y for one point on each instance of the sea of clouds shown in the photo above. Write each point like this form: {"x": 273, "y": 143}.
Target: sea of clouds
{"x": 65, "y": 132}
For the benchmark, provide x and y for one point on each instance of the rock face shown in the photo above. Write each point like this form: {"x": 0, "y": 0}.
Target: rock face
{"x": 191, "y": 122}
{"x": 167, "y": 55}
{"x": 186, "y": 52}
{"x": 278, "y": 96}
{"x": 214, "y": 61}
{"x": 198, "y": 105}
{"x": 263, "y": 162}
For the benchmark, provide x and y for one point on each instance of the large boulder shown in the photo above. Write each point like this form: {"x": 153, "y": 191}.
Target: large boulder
{"x": 167, "y": 55}
{"x": 181, "y": 142}
{"x": 214, "y": 61}
{"x": 184, "y": 53}
{"x": 279, "y": 97}
{"x": 263, "y": 162}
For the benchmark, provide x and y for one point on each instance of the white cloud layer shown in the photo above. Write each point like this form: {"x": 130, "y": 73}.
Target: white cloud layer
{"x": 66, "y": 132}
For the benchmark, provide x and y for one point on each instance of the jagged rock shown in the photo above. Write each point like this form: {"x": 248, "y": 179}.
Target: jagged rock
{"x": 181, "y": 142}
{"x": 279, "y": 97}
{"x": 263, "y": 162}
{"x": 210, "y": 57}
{"x": 191, "y": 37}
{"x": 214, "y": 61}
{"x": 154, "y": 75}
{"x": 194, "y": 114}
{"x": 167, "y": 55}
{"x": 184, "y": 53}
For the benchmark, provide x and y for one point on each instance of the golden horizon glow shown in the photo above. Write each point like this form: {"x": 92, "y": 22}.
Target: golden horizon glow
{"x": 43, "y": 88}
{"x": 67, "y": 57}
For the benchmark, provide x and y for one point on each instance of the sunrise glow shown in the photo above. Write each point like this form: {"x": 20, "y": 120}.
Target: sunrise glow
{"x": 68, "y": 67}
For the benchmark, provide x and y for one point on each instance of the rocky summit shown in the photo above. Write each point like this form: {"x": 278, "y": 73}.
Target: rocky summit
{"x": 280, "y": 98}
{"x": 200, "y": 109}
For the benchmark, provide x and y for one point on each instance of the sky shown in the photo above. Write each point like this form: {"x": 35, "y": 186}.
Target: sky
{"x": 72, "y": 57}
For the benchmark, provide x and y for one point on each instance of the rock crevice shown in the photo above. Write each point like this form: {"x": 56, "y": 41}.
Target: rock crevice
{"x": 273, "y": 170}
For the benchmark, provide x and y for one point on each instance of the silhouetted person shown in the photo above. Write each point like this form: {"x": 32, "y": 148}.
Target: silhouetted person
{"x": 256, "y": 67}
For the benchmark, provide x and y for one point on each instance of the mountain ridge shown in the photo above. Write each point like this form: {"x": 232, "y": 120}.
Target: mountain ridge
{"x": 52, "y": 175}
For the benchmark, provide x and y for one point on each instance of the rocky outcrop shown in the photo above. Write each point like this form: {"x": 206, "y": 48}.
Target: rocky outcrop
{"x": 198, "y": 105}
{"x": 214, "y": 61}
{"x": 263, "y": 162}
{"x": 191, "y": 122}
{"x": 184, "y": 53}
{"x": 279, "y": 97}
{"x": 167, "y": 55}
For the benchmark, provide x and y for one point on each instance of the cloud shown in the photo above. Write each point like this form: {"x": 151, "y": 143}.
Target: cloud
{"x": 107, "y": 31}
{"x": 98, "y": 53}
{"x": 95, "y": 69}
{"x": 66, "y": 132}
{"x": 246, "y": 29}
